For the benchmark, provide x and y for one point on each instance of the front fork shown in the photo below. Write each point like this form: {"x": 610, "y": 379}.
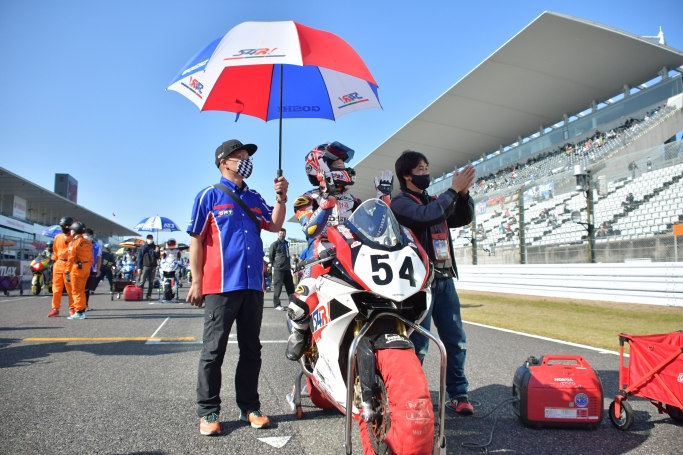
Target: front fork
{"x": 359, "y": 343}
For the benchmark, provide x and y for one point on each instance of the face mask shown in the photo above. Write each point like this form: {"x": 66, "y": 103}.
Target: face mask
{"x": 244, "y": 168}
{"x": 421, "y": 181}
{"x": 87, "y": 237}
{"x": 73, "y": 233}
{"x": 150, "y": 241}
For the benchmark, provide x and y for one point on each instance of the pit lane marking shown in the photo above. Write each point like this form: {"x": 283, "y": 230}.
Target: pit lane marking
{"x": 184, "y": 339}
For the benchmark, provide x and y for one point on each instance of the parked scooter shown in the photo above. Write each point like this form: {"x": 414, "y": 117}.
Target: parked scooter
{"x": 41, "y": 268}
{"x": 369, "y": 293}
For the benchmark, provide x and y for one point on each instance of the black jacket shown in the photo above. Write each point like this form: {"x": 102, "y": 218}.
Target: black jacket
{"x": 449, "y": 206}
{"x": 278, "y": 257}
{"x": 148, "y": 249}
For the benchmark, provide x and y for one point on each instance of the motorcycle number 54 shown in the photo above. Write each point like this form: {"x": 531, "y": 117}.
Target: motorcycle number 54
{"x": 385, "y": 274}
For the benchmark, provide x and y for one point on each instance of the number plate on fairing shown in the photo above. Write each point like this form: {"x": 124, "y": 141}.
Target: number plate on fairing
{"x": 395, "y": 275}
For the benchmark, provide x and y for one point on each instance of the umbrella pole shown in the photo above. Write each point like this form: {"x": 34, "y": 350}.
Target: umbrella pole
{"x": 279, "y": 165}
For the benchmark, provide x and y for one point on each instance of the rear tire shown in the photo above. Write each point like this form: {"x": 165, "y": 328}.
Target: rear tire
{"x": 625, "y": 419}
{"x": 404, "y": 416}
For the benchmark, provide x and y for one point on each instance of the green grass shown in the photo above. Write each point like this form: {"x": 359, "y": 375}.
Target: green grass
{"x": 593, "y": 323}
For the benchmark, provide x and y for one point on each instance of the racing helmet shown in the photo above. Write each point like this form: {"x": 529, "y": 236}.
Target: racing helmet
{"x": 171, "y": 243}
{"x": 78, "y": 227}
{"x": 328, "y": 153}
{"x": 65, "y": 222}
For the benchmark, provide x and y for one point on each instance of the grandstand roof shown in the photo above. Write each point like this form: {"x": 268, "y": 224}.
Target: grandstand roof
{"x": 557, "y": 64}
{"x": 56, "y": 206}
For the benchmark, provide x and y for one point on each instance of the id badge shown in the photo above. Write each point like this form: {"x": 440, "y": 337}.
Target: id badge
{"x": 441, "y": 249}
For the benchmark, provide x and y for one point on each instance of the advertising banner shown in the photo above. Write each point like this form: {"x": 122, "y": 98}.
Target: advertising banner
{"x": 19, "y": 208}
{"x": 481, "y": 208}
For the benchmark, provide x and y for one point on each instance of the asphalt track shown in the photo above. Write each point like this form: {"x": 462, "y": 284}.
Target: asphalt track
{"x": 101, "y": 386}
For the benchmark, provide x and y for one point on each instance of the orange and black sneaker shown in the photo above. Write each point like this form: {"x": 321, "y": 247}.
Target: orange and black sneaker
{"x": 209, "y": 426}
{"x": 257, "y": 419}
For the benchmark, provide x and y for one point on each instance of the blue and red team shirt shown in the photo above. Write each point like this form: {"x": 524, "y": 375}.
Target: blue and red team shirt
{"x": 96, "y": 252}
{"x": 233, "y": 250}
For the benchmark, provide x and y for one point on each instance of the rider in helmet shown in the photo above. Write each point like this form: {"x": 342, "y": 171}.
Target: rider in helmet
{"x": 316, "y": 210}
{"x": 60, "y": 255}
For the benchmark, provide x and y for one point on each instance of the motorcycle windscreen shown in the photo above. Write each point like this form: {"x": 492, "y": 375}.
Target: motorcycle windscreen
{"x": 374, "y": 222}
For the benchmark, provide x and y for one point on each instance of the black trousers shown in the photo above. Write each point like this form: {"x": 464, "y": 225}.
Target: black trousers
{"x": 281, "y": 277}
{"x": 220, "y": 311}
{"x": 105, "y": 271}
{"x": 147, "y": 274}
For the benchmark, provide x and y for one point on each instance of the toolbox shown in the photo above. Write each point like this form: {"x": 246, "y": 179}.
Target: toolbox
{"x": 558, "y": 391}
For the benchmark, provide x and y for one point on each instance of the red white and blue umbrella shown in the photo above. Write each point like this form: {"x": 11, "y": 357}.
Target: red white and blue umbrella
{"x": 259, "y": 66}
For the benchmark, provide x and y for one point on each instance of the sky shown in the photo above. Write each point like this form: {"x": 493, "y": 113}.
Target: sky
{"x": 88, "y": 95}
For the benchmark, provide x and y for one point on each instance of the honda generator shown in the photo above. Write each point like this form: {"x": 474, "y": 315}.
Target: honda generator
{"x": 132, "y": 292}
{"x": 558, "y": 391}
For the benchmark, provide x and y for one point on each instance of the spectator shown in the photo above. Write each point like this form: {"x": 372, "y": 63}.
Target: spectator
{"x": 431, "y": 219}
{"x": 282, "y": 268}
{"x": 108, "y": 261}
{"x": 226, "y": 262}
{"x": 649, "y": 164}
{"x": 91, "y": 283}
{"x": 629, "y": 202}
{"x": 632, "y": 167}
{"x": 148, "y": 260}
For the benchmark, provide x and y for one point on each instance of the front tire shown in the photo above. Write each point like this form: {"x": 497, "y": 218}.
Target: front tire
{"x": 404, "y": 416}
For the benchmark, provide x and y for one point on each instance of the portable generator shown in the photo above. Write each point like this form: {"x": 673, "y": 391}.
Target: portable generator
{"x": 558, "y": 391}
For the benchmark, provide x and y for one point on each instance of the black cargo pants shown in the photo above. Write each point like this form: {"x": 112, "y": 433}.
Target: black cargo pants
{"x": 220, "y": 311}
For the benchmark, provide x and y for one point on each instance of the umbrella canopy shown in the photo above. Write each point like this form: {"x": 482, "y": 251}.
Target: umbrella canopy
{"x": 129, "y": 245}
{"x": 52, "y": 231}
{"x": 120, "y": 251}
{"x": 156, "y": 224}
{"x": 133, "y": 242}
{"x": 257, "y": 67}
{"x": 7, "y": 242}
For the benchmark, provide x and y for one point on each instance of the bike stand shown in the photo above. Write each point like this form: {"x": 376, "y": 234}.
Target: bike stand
{"x": 440, "y": 440}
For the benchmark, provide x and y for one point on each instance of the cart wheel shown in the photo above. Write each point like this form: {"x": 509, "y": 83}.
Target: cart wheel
{"x": 625, "y": 419}
{"x": 21, "y": 292}
{"x": 118, "y": 296}
{"x": 299, "y": 412}
{"x": 675, "y": 413}
{"x": 6, "y": 293}
{"x": 111, "y": 297}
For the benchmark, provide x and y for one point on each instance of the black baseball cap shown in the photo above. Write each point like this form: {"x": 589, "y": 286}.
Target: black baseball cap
{"x": 227, "y": 147}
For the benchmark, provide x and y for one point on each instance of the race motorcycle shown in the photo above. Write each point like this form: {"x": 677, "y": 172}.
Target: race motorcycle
{"x": 369, "y": 293}
{"x": 168, "y": 288}
{"x": 41, "y": 268}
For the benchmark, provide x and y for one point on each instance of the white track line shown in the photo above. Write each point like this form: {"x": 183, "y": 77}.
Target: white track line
{"x": 158, "y": 328}
{"x": 583, "y": 346}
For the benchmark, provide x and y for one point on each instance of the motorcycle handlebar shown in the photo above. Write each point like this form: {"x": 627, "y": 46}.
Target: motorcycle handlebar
{"x": 326, "y": 255}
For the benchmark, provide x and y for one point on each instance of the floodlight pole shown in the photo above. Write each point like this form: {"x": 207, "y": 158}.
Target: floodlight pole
{"x": 474, "y": 239}
{"x": 590, "y": 218}
{"x": 522, "y": 233}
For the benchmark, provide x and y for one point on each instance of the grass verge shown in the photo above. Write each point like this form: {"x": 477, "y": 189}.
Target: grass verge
{"x": 589, "y": 322}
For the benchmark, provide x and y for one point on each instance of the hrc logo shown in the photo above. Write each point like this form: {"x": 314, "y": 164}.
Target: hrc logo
{"x": 254, "y": 53}
{"x": 194, "y": 86}
{"x": 350, "y": 99}
{"x": 320, "y": 317}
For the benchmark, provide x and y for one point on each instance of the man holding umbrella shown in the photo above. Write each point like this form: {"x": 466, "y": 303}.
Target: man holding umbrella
{"x": 148, "y": 259}
{"x": 226, "y": 259}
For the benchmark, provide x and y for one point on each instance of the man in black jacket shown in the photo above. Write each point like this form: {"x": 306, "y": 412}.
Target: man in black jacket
{"x": 148, "y": 259}
{"x": 282, "y": 269}
{"x": 430, "y": 218}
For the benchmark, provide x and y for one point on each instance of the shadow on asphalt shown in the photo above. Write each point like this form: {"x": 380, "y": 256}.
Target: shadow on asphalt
{"x": 23, "y": 354}
{"x": 26, "y": 328}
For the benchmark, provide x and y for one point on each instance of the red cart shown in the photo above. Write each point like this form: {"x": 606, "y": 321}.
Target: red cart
{"x": 654, "y": 372}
